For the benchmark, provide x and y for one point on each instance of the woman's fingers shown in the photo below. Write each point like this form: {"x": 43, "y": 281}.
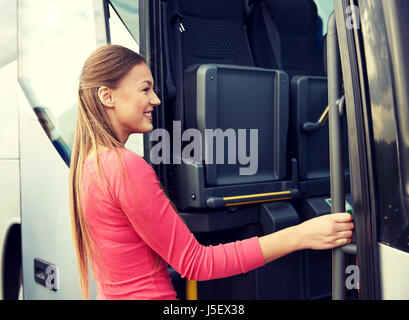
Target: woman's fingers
{"x": 342, "y": 217}
{"x": 342, "y": 241}
{"x": 343, "y": 234}
{"x": 345, "y": 226}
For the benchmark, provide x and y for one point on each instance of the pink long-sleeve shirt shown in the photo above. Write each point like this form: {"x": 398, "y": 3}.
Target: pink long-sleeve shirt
{"x": 137, "y": 233}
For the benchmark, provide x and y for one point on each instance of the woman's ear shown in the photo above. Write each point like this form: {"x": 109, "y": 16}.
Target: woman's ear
{"x": 106, "y": 97}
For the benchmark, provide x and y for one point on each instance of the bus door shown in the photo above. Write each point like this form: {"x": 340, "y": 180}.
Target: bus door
{"x": 374, "y": 56}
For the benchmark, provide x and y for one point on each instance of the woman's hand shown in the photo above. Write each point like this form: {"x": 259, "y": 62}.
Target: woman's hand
{"x": 326, "y": 232}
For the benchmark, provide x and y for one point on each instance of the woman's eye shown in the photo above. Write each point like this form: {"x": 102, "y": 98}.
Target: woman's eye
{"x": 146, "y": 89}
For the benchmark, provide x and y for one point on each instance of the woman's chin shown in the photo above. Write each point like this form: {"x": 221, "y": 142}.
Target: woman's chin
{"x": 145, "y": 129}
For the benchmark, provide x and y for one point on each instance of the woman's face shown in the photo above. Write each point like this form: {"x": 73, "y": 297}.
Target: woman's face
{"x": 133, "y": 102}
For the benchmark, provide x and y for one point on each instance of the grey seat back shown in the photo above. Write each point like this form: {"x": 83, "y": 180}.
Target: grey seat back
{"x": 246, "y": 111}
{"x": 218, "y": 88}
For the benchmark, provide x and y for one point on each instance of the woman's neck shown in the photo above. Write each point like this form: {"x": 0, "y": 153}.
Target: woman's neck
{"x": 100, "y": 149}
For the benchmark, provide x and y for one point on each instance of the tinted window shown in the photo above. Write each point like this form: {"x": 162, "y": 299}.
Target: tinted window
{"x": 55, "y": 38}
{"x": 325, "y": 9}
{"x": 119, "y": 34}
{"x": 393, "y": 228}
{"x": 128, "y": 11}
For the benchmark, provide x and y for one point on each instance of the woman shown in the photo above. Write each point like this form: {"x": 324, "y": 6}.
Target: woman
{"x": 123, "y": 224}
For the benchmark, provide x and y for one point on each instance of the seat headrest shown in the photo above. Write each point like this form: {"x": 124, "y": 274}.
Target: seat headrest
{"x": 214, "y": 9}
{"x": 294, "y": 16}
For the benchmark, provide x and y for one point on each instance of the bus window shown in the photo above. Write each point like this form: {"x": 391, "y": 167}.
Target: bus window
{"x": 128, "y": 11}
{"x": 120, "y": 28}
{"x": 54, "y": 39}
{"x": 393, "y": 228}
{"x": 325, "y": 9}
{"x": 119, "y": 34}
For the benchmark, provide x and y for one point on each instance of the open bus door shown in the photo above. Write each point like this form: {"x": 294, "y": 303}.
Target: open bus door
{"x": 374, "y": 62}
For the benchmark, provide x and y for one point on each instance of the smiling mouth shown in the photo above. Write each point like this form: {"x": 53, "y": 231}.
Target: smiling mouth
{"x": 148, "y": 114}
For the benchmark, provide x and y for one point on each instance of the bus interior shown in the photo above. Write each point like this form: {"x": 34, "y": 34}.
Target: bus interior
{"x": 245, "y": 65}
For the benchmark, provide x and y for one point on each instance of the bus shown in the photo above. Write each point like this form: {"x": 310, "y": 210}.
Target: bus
{"x": 322, "y": 87}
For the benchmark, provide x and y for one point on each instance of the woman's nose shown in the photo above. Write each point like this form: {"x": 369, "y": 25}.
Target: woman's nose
{"x": 155, "y": 100}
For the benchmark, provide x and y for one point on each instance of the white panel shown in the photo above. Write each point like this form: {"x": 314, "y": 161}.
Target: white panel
{"x": 54, "y": 39}
{"x": 8, "y": 112}
{"x": 135, "y": 143}
{"x": 46, "y": 229}
{"x": 10, "y": 204}
{"x": 394, "y": 270}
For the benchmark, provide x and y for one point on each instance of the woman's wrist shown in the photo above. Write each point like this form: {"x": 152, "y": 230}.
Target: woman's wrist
{"x": 280, "y": 243}
{"x": 299, "y": 237}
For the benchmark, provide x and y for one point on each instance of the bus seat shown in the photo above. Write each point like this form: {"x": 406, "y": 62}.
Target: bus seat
{"x": 239, "y": 97}
{"x": 308, "y": 100}
{"x": 298, "y": 26}
{"x": 309, "y": 96}
{"x": 218, "y": 87}
{"x": 203, "y": 32}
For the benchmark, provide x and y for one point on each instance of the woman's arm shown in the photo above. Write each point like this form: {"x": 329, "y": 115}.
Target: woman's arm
{"x": 154, "y": 219}
{"x": 325, "y": 232}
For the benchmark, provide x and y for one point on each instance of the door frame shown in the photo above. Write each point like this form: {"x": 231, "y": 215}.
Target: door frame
{"x": 360, "y": 150}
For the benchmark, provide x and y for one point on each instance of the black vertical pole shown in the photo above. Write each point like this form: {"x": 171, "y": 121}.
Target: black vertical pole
{"x": 336, "y": 151}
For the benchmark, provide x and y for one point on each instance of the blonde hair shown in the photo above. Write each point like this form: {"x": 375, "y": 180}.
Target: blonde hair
{"x": 106, "y": 66}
